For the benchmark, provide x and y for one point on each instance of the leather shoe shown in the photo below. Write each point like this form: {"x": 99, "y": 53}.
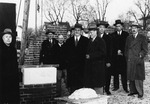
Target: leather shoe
{"x": 126, "y": 91}
{"x": 108, "y": 92}
{"x": 140, "y": 96}
{"x": 115, "y": 89}
{"x": 131, "y": 94}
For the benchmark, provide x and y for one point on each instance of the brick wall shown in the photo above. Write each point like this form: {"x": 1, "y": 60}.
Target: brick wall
{"x": 32, "y": 58}
{"x": 38, "y": 94}
{"x": 44, "y": 93}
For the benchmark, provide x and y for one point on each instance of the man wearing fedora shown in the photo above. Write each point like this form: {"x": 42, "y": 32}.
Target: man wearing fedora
{"x": 118, "y": 57}
{"x": 94, "y": 76}
{"x": 102, "y": 25}
{"x": 47, "y": 53}
{"x": 135, "y": 50}
{"x": 76, "y": 47}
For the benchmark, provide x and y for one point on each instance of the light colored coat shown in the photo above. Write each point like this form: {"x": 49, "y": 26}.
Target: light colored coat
{"x": 135, "y": 51}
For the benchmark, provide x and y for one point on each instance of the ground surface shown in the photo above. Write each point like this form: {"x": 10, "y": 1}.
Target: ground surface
{"x": 120, "y": 97}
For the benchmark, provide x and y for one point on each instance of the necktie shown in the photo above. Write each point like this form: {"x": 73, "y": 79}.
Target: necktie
{"x": 51, "y": 43}
{"x": 76, "y": 41}
{"x": 134, "y": 36}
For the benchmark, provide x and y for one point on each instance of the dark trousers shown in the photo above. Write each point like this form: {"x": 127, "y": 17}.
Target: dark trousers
{"x": 59, "y": 76}
{"x": 123, "y": 80}
{"x": 108, "y": 79}
{"x": 136, "y": 86}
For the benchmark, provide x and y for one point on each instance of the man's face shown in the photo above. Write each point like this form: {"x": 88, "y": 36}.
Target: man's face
{"x": 119, "y": 27}
{"x": 78, "y": 31}
{"x": 101, "y": 29}
{"x": 7, "y": 39}
{"x": 93, "y": 33}
{"x": 134, "y": 29}
{"x": 60, "y": 39}
{"x": 50, "y": 35}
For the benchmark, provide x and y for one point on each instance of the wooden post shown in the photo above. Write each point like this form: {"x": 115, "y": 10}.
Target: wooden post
{"x": 24, "y": 30}
{"x": 36, "y": 17}
{"x": 41, "y": 12}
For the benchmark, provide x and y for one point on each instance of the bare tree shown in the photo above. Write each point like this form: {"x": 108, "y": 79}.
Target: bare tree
{"x": 144, "y": 7}
{"x": 56, "y": 10}
{"x": 78, "y": 9}
{"x": 89, "y": 14}
{"x": 126, "y": 19}
{"x": 133, "y": 14}
{"x": 101, "y": 10}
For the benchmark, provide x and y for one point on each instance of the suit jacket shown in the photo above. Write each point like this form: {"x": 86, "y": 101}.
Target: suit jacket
{"x": 119, "y": 62}
{"x": 75, "y": 57}
{"x": 47, "y": 53}
{"x": 135, "y": 51}
{"x": 95, "y": 65}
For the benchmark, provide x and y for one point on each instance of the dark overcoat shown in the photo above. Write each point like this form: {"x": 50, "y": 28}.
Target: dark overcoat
{"x": 135, "y": 51}
{"x": 60, "y": 56}
{"x": 47, "y": 52}
{"x": 119, "y": 62}
{"x": 95, "y": 65}
{"x": 109, "y": 43}
{"x": 9, "y": 75}
{"x": 75, "y": 57}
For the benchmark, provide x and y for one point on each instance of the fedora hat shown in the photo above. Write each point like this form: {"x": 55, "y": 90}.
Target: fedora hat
{"x": 49, "y": 31}
{"x": 7, "y": 31}
{"x": 102, "y": 23}
{"x": 92, "y": 27}
{"x": 135, "y": 24}
{"x": 118, "y": 22}
{"x": 77, "y": 25}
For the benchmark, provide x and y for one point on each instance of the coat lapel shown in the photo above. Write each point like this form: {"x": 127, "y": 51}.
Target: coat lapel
{"x": 134, "y": 41}
{"x": 79, "y": 41}
{"x": 92, "y": 44}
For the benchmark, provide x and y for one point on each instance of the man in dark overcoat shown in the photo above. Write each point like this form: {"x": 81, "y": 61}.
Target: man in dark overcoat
{"x": 60, "y": 59}
{"x": 102, "y": 25}
{"x": 47, "y": 52}
{"x": 76, "y": 47}
{"x": 94, "y": 76}
{"x": 119, "y": 62}
{"x": 135, "y": 51}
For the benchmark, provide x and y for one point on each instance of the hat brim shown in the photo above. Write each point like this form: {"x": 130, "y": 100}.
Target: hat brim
{"x": 118, "y": 23}
{"x": 47, "y": 32}
{"x": 3, "y": 33}
{"x": 77, "y": 27}
{"x": 90, "y": 29}
{"x": 106, "y": 25}
{"x": 136, "y": 26}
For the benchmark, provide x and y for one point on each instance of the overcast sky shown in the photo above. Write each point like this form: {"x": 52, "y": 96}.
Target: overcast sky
{"x": 115, "y": 8}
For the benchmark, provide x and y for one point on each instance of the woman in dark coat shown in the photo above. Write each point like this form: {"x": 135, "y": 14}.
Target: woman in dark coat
{"x": 95, "y": 64}
{"x": 9, "y": 85}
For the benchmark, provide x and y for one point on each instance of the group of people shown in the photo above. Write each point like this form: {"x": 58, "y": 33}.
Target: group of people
{"x": 90, "y": 62}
